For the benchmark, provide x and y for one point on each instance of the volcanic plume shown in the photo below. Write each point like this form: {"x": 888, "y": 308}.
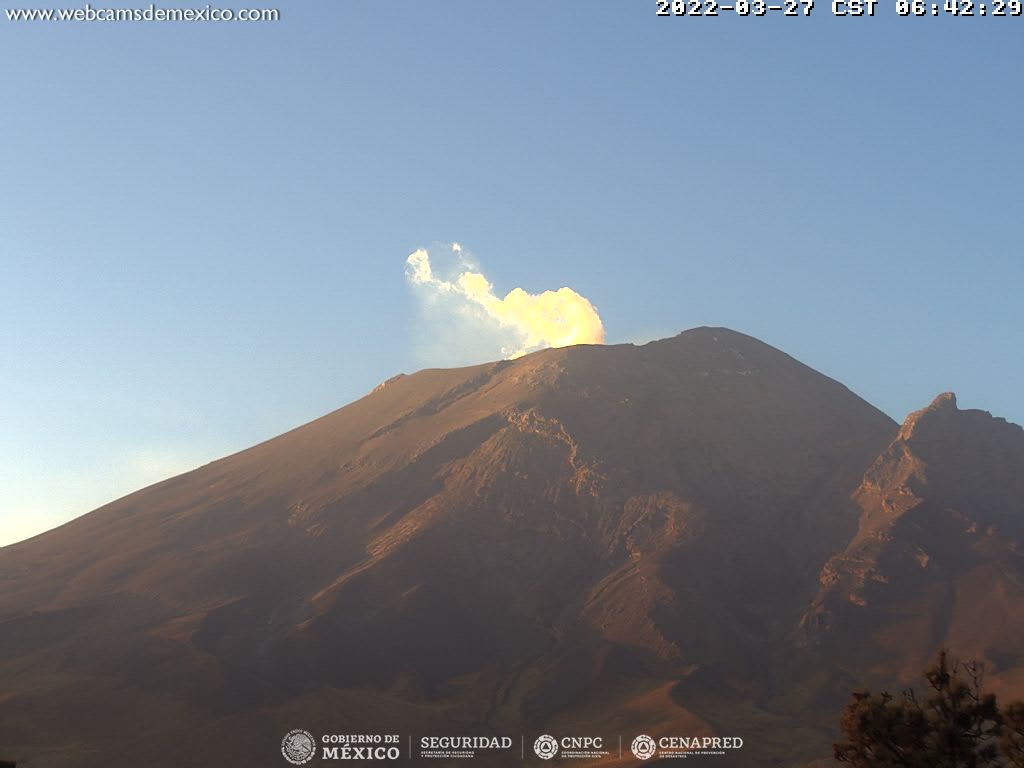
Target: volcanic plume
{"x": 531, "y": 321}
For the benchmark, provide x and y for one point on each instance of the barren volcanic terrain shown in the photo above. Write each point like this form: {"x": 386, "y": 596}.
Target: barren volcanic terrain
{"x": 699, "y": 535}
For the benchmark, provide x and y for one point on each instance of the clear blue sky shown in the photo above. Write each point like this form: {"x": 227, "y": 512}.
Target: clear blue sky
{"x": 203, "y": 226}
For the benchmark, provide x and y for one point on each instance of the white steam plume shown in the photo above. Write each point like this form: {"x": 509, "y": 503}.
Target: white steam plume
{"x": 529, "y": 321}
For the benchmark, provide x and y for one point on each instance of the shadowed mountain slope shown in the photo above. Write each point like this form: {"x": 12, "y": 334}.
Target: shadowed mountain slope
{"x": 610, "y": 537}
{"x": 938, "y": 558}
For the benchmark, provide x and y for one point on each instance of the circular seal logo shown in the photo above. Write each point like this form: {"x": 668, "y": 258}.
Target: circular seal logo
{"x": 643, "y": 747}
{"x": 546, "y": 747}
{"x": 298, "y": 746}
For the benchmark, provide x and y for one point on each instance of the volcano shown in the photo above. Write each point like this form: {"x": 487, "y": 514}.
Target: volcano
{"x": 697, "y": 536}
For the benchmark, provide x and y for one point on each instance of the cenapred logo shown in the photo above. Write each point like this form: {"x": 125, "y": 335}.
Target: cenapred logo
{"x": 681, "y": 747}
{"x": 298, "y": 746}
{"x": 643, "y": 747}
{"x": 546, "y": 747}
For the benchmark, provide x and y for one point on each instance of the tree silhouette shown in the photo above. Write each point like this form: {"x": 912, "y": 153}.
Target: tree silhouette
{"x": 1012, "y": 741}
{"x": 957, "y": 725}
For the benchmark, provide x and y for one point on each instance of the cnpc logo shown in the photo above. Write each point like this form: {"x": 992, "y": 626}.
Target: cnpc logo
{"x": 547, "y": 746}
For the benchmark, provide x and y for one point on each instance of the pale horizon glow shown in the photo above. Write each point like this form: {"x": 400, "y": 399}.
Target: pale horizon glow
{"x": 45, "y": 507}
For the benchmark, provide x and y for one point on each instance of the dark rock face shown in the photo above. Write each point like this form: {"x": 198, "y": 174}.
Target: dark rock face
{"x": 678, "y": 538}
{"x": 937, "y": 558}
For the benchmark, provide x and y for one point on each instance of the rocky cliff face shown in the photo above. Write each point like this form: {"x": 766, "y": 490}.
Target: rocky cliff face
{"x": 673, "y": 538}
{"x": 937, "y": 556}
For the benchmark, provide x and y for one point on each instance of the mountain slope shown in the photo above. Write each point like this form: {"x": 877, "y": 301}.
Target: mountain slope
{"x": 585, "y": 537}
{"x": 938, "y": 558}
